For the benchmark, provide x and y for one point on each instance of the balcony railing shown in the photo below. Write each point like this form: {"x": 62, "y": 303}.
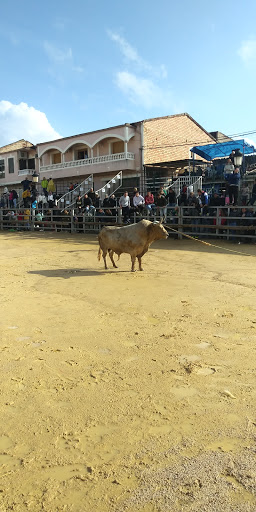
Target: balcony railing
{"x": 25, "y": 171}
{"x": 89, "y": 161}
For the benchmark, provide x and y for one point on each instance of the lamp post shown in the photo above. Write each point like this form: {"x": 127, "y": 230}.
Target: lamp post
{"x": 35, "y": 177}
{"x": 238, "y": 158}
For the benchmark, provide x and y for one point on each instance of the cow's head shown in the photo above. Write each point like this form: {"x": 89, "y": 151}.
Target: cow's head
{"x": 157, "y": 231}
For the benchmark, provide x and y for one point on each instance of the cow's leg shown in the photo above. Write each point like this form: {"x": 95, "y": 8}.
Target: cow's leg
{"x": 104, "y": 254}
{"x": 139, "y": 260}
{"x": 112, "y": 258}
{"x": 133, "y": 258}
{"x": 140, "y": 256}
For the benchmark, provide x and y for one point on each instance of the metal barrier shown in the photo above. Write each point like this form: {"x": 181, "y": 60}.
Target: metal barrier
{"x": 229, "y": 223}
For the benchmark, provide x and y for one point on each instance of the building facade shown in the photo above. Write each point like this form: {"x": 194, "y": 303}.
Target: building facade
{"x": 129, "y": 148}
{"x": 17, "y": 162}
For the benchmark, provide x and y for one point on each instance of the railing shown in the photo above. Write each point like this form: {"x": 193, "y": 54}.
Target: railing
{"x": 191, "y": 182}
{"x": 89, "y": 161}
{"x": 69, "y": 199}
{"x": 23, "y": 172}
{"x": 112, "y": 186}
{"x": 227, "y": 223}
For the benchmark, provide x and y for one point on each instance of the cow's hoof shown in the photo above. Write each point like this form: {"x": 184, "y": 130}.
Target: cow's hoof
{"x": 133, "y": 270}
{"x": 141, "y": 269}
{"x": 115, "y": 266}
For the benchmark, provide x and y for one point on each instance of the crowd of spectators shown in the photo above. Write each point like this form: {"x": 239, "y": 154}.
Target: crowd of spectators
{"x": 199, "y": 211}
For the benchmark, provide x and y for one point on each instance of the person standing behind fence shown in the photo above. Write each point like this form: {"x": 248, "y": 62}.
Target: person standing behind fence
{"x": 161, "y": 204}
{"x": 233, "y": 180}
{"x": 124, "y": 203}
{"x": 44, "y": 185}
{"x": 138, "y": 203}
{"x": 183, "y": 199}
{"x": 245, "y": 193}
{"x": 51, "y": 186}
{"x": 172, "y": 198}
{"x": 14, "y": 198}
{"x": 203, "y": 200}
{"x": 149, "y": 202}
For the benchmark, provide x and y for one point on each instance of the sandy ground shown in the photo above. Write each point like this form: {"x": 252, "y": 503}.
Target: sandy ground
{"x": 126, "y": 392}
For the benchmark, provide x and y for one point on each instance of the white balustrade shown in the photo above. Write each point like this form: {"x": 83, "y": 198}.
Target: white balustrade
{"x": 89, "y": 161}
{"x": 25, "y": 171}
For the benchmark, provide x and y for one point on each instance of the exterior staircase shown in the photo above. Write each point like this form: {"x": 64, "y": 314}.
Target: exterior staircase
{"x": 111, "y": 187}
{"x": 68, "y": 200}
{"x": 192, "y": 182}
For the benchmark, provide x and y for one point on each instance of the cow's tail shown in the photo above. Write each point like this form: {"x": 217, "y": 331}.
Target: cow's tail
{"x": 99, "y": 253}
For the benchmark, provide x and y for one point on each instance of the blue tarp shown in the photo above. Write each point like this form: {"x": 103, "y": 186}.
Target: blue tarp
{"x": 220, "y": 150}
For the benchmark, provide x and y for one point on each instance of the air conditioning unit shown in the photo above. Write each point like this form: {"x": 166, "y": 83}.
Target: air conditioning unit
{"x": 23, "y": 155}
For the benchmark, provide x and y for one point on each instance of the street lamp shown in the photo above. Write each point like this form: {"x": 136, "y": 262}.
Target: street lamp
{"x": 238, "y": 158}
{"x": 35, "y": 177}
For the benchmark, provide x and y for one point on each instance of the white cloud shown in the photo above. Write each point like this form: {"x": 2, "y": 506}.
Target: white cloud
{"x": 59, "y": 56}
{"x": 247, "y": 51}
{"x": 130, "y": 53}
{"x": 56, "y": 54}
{"x": 143, "y": 91}
{"x": 127, "y": 50}
{"x": 24, "y": 122}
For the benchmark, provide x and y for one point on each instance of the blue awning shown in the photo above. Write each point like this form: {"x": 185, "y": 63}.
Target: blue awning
{"x": 220, "y": 150}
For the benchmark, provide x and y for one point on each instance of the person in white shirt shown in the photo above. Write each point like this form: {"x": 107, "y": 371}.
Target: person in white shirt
{"x": 229, "y": 167}
{"x": 138, "y": 202}
{"x": 124, "y": 203}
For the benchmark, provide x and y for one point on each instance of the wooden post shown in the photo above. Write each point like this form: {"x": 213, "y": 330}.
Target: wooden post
{"x": 72, "y": 213}
{"x": 180, "y": 221}
{"x": 33, "y": 214}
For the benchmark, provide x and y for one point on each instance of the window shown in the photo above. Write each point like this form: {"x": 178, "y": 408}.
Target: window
{"x": 31, "y": 163}
{"x": 118, "y": 147}
{"x": 22, "y": 164}
{"x": 11, "y": 165}
{"x": 56, "y": 158}
{"x": 82, "y": 154}
{"x": 2, "y": 173}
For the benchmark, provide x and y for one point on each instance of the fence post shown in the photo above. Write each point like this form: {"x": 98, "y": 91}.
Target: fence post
{"x": 33, "y": 214}
{"x": 72, "y": 213}
{"x": 1, "y": 218}
{"x": 180, "y": 221}
{"x": 217, "y": 220}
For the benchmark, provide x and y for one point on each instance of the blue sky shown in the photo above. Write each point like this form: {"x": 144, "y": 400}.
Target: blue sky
{"x": 72, "y": 67}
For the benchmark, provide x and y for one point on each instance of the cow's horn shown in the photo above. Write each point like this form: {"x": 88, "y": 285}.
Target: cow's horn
{"x": 156, "y": 222}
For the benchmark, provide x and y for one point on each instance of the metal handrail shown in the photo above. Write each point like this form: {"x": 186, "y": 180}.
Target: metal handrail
{"x": 67, "y": 198}
{"x": 118, "y": 178}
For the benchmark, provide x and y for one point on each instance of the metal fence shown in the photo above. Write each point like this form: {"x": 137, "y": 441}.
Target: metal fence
{"x": 229, "y": 223}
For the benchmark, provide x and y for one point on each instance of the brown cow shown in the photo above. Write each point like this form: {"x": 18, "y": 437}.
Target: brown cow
{"x": 133, "y": 239}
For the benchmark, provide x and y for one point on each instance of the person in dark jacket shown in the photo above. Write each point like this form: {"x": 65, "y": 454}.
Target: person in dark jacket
{"x": 87, "y": 202}
{"x": 233, "y": 181}
{"x": 79, "y": 203}
{"x": 91, "y": 195}
{"x": 96, "y": 201}
{"x": 161, "y": 204}
{"x": 172, "y": 197}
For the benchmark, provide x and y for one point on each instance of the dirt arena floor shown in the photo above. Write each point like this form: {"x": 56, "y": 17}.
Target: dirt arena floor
{"x": 126, "y": 391}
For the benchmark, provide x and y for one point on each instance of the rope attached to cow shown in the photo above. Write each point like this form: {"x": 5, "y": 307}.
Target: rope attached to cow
{"x": 207, "y": 243}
